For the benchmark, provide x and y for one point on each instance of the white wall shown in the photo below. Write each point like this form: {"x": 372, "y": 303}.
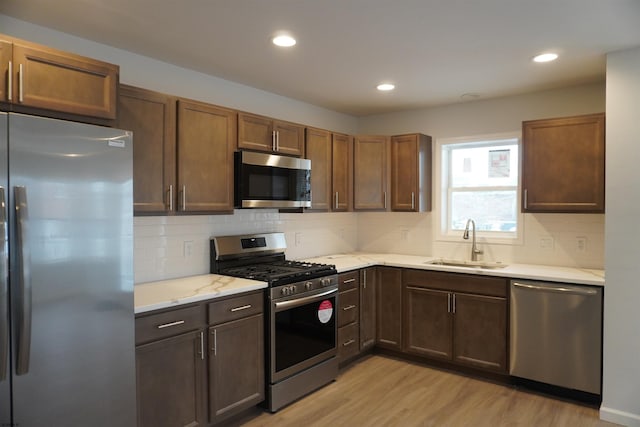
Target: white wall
{"x": 416, "y": 233}
{"x": 621, "y": 394}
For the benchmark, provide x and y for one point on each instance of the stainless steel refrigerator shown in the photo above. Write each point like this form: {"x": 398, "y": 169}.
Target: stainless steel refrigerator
{"x": 67, "y": 353}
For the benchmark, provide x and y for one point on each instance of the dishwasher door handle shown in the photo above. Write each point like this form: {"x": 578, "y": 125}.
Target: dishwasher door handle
{"x": 575, "y": 290}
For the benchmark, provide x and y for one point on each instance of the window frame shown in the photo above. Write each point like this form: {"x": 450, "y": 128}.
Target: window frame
{"x": 443, "y": 192}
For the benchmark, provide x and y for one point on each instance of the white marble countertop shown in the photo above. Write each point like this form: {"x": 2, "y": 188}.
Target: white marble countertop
{"x": 168, "y": 293}
{"x": 347, "y": 262}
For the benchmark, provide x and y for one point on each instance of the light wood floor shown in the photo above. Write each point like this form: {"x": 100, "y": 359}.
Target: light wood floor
{"x": 383, "y": 391}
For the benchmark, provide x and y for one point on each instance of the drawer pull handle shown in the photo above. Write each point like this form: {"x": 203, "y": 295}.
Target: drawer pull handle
{"x": 348, "y": 343}
{"x": 349, "y": 307}
{"x": 349, "y": 281}
{"x": 244, "y": 307}
{"x": 168, "y": 325}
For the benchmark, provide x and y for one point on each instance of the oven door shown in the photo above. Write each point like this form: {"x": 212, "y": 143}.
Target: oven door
{"x": 271, "y": 181}
{"x": 303, "y": 332}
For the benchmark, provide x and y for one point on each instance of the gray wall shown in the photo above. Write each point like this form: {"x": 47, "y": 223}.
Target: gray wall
{"x": 621, "y": 395}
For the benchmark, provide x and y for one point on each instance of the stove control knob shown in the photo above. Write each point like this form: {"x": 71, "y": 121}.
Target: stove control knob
{"x": 284, "y": 291}
{"x": 326, "y": 282}
{"x": 308, "y": 286}
{"x": 293, "y": 289}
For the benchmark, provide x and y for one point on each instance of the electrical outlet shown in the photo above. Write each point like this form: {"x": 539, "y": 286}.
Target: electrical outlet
{"x": 546, "y": 242}
{"x": 298, "y": 239}
{"x": 187, "y": 248}
{"x": 581, "y": 244}
{"x": 404, "y": 234}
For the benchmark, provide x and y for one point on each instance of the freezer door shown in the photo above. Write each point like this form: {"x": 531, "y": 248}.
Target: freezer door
{"x": 5, "y": 369}
{"x": 71, "y": 241}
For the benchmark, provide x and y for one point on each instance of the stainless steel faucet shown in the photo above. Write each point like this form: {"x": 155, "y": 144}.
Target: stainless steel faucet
{"x": 474, "y": 249}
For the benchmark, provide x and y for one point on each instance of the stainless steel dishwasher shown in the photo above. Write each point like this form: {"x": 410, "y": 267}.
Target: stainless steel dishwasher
{"x": 556, "y": 334}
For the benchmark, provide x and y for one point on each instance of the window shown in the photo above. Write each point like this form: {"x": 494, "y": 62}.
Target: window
{"x": 480, "y": 182}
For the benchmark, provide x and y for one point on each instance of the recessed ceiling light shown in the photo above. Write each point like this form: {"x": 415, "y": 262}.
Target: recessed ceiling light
{"x": 545, "y": 57}
{"x": 384, "y": 87}
{"x": 284, "y": 40}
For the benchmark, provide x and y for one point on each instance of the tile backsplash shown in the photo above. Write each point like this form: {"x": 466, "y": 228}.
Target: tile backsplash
{"x": 167, "y": 247}
{"x": 177, "y": 246}
{"x": 571, "y": 240}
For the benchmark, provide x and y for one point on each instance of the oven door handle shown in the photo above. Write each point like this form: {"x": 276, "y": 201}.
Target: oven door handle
{"x": 304, "y": 300}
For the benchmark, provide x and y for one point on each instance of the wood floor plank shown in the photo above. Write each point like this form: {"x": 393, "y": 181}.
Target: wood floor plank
{"x": 383, "y": 391}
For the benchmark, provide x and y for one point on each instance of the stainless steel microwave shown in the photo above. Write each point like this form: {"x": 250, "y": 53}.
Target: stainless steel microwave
{"x": 271, "y": 181}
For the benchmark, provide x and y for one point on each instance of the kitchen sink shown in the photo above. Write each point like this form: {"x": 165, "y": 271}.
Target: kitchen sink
{"x": 468, "y": 264}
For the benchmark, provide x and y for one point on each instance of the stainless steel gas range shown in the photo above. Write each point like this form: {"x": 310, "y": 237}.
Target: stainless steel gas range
{"x": 301, "y": 308}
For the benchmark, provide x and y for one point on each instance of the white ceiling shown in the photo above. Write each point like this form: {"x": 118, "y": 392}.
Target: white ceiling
{"x": 433, "y": 50}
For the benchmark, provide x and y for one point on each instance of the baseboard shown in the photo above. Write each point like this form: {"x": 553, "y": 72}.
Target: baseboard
{"x": 619, "y": 417}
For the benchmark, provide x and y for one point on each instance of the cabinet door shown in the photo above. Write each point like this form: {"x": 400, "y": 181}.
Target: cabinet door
{"x": 6, "y": 56}
{"x": 563, "y": 164}
{"x": 342, "y": 160}
{"x": 367, "y": 308}
{"x": 289, "y": 138}
{"x": 60, "y": 81}
{"x": 255, "y": 132}
{"x": 370, "y": 173}
{"x": 318, "y": 150}
{"x": 152, "y": 118}
{"x": 480, "y": 331}
{"x": 404, "y": 173}
{"x": 206, "y": 143}
{"x": 428, "y": 322}
{"x": 236, "y": 367}
{"x": 170, "y": 375}
{"x": 411, "y": 173}
{"x": 389, "y": 308}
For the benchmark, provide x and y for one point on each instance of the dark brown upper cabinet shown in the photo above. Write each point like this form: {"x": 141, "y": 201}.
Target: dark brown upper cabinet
{"x": 563, "y": 164}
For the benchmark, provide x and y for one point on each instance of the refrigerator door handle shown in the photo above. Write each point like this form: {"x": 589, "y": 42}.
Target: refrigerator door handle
{"x": 4, "y": 288}
{"x": 23, "y": 288}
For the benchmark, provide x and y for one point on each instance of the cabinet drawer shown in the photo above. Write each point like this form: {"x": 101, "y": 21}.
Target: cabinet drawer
{"x": 455, "y": 282}
{"x": 169, "y": 323}
{"x": 235, "y": 308}
{"x": 348, "y": 337}
{"x": 348, "y": 307}
{"x": 349, "y": 280}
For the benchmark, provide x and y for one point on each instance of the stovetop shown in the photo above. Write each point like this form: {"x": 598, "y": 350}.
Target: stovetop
{"x": 261, "y": 257}
{"x": 281, "y": 272}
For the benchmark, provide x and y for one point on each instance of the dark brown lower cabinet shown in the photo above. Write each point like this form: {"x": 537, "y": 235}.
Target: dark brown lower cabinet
{"x": 367, "y": 308}
{"x": 480, "y": 331}
{"x": 428, "y": 323}
{"x": 175, "y": 347}
{"x": 389, "y": 308}
{"x": 348, "y": 315}
{"x": 347, "y": 342}
{"x": 456, "y": 317}
{"x": 170, "y": 376}
{"x": 236, "y": 367}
